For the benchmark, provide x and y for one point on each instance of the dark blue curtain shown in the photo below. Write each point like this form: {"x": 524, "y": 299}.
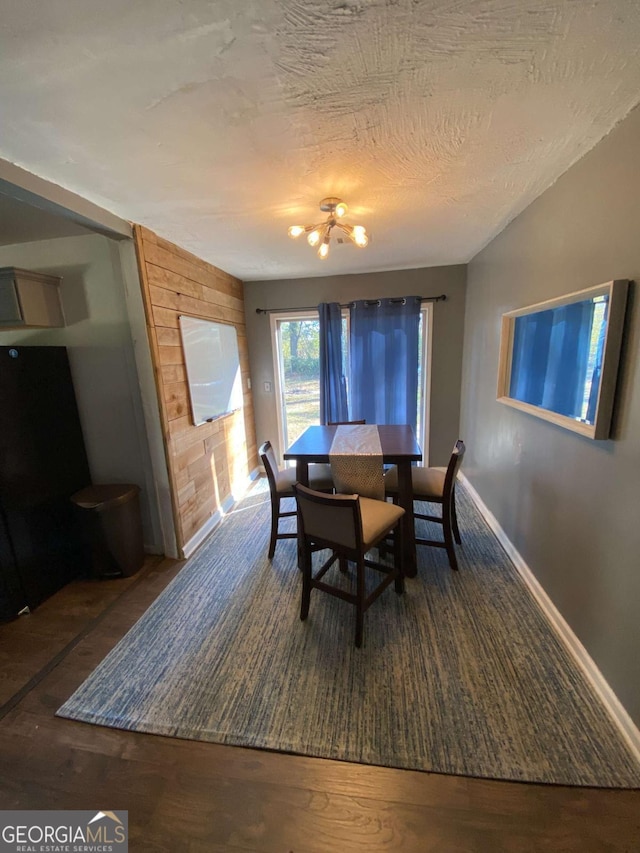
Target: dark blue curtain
{"x": 384, "y": 360}
{"x": 333, "y": 386}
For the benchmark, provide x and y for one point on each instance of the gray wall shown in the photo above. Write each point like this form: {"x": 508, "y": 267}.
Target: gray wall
{"x": 98, "y": 338}
{"x": 448, "y": 322}
{"x": 567, "y": 503}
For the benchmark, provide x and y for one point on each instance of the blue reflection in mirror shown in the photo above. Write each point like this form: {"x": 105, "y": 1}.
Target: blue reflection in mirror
{"x": 557, "y": 358}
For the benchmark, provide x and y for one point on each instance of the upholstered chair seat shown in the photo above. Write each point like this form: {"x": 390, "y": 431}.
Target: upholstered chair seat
{"x": 376, "y": 520}
{"x": 424, "y": 481}
{"x": 319, "y": 479}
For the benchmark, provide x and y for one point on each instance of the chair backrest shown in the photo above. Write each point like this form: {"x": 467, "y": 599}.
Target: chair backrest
{"x": 345, "y": 423}
{"x": 332, "y": 520}
{"x": 354, "y": 471}
{"x": 453, "y": 467}
{"x": 358, "y": 474}
{"x": 268, "y": 457}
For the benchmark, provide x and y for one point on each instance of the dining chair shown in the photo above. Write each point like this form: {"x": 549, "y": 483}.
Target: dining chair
{"x": 349, "y": 526}
{"x": 345, "y": 423}
{"x": 435, "y": 485}
{"x": 281, "y": 483}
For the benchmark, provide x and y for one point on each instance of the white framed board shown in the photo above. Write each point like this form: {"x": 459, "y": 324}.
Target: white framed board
{"x": 213, "y": 368}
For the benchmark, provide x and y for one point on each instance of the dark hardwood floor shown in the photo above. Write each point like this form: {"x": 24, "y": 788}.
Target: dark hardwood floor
{"x": 206, "y": 798}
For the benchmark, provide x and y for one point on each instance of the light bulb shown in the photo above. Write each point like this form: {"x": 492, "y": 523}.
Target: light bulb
{"x": 360, "y": 236}
{"x": 296, "y": 230}
{"x": 341, "y": 209}
{"x": 323, "y": 251}
{"x": 314, "y": 237}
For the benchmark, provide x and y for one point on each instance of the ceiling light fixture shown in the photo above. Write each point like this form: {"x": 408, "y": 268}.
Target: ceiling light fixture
{"x": 320, "y": 235}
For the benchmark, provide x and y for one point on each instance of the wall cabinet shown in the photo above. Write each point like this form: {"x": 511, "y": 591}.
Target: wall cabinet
{"x": 29, "y": 299}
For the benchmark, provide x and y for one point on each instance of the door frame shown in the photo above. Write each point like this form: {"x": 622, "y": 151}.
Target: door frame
{"x": 426, "y": 354}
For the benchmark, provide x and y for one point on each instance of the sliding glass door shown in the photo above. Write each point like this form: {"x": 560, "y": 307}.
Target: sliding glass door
{"x": 296, "y": 348}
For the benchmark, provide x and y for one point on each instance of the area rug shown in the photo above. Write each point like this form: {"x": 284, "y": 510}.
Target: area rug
{"x": 460, "y": 675}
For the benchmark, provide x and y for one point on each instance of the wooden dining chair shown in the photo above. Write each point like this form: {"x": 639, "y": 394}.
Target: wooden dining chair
{"x": 281, "y": 483}
{"x": 435, "y": 485}
{"x": 345, "y": 423}
{"x": 349, "y": 526}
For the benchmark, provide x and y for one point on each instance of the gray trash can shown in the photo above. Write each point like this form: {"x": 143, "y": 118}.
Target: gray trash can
{"x": 113, "y": 528}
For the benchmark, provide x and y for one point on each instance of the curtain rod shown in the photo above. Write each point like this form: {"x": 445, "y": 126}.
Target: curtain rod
{"x": 441, "y": 298}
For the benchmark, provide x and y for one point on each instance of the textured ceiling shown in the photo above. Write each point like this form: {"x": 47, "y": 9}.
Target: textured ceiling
{"x": 218, "y": 124}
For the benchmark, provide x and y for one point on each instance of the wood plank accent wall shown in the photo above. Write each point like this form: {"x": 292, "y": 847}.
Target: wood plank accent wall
{"x": 204, "y": 462}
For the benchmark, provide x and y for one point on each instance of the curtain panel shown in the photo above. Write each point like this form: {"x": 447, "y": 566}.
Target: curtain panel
{"x": 333, "y": 386}
{"x": 384, "y": 355}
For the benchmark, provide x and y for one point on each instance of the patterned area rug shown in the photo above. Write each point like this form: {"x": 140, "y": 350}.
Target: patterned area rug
{"x": 460, "y": 675}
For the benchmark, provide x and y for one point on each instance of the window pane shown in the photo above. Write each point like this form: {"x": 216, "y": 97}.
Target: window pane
{"x": 300, "y": 347}
{"x": 298, "y": 342}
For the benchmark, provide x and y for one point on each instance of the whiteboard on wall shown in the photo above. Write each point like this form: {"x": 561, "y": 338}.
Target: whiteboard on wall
{"x": 213, "y": 368}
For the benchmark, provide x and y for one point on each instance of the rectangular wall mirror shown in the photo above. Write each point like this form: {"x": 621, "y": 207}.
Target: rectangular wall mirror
{"x": 559, "y": 358}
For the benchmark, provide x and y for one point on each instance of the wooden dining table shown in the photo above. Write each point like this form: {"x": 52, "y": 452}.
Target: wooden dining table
{"x": 398, "y": 446}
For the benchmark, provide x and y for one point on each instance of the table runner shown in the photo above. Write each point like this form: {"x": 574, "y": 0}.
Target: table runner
{"x": 356, "y": 461}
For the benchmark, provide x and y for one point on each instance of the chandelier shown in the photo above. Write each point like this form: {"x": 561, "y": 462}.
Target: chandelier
{"x": 320, "y": 235}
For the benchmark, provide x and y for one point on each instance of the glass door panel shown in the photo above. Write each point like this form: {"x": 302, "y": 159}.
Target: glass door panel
{"x": 298, "y": 342}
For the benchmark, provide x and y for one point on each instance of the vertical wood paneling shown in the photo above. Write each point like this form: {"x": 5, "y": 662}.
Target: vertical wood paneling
{"x": 203, "y": 461}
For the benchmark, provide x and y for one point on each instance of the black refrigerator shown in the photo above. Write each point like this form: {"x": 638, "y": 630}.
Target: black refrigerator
{"x": 42, "y": 463}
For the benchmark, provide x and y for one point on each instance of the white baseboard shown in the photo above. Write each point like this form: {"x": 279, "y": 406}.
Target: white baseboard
{"x": 246, "y": 485}
{"x": 213, "y": 521}
{"x": 612, "y": 704}
{"x": 200, "y": 535}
